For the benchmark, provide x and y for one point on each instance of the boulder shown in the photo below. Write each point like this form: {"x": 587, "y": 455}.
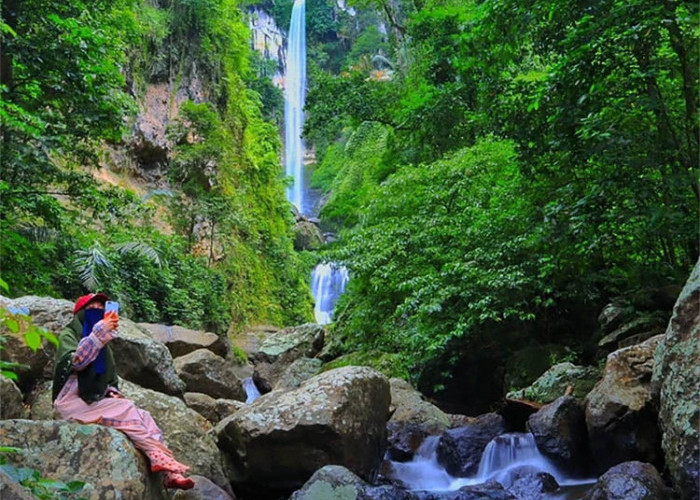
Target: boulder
{"x": 534, "y": 486}
{"x": 560, "y": 432}
{"x": 647, "y": 325}
{"x": 554, "y": 383}
{"x": 212, "y": 409}
{"x": 180, "y": 340}
{"x": 45, "y": 312}
{"x": 279, "y": 350}
{"x": 40, "y": 403}
{"x": 334, "y": 482}
{"x": 460, "y": 449}
{"x": 250, "y": 341}
{"x": 185, "y": 431}
{"x": 299, "y": 371}
{"x": 629, "y": 481}
{"x": 307, "y": 236}
{"x": 338, "y": 417}
{"x": 613, "y": 315}
{"x": 487, "y": 491}
{"x": 412, "y": 420}
{"x": 204, "y": 489}
{"x": 11, "y": 401}
{"x": 144, "y": 361}
{"x": 205, "y": 372}
{"x": 675, "y": 383}
{"x": 104, "y": 458}
{"x": 620, "y": 417}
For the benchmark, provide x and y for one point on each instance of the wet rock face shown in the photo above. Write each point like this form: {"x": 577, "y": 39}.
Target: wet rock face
{"x": 460, "y": 449}
{"x": 338, "y": 417}
{"x": 629, "y": 481}
{"x": 560, "y": 432}
{"x": 104, "y": 458}
{"x": 675, "y": 381}
{"x": 487, "y": 491}
{"x": 205, "y": 372}
{"x": 620, "y": 417}
{"x": 334, "y": 482}
{"x": 534, "y": 486}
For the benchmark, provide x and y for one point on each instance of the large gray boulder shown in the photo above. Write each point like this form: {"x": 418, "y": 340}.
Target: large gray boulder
{"x": 212, "y": 409}
{"x": 297, "y": 373}
{"x": 279, "y": 350}
{"x": 185, "y": 431}
{"x": 334, "y": 482}
{"x": 460, "y": 449}
{"x": 640, "y": 328}
{"x": 560, "y": 432}
{"x": 11, "y": 401}
{"x": 412, "y": 420}
{"x": 629, "y": 481}
{"x": 556, "y": 381}
{"x": 675, "y": 381}
{"x": 205, "y": 372}
{"x": 180, "y": 340}
{"x": 40, "y": 403}
{"x": 621, "y": 419}
{"x": 145, "y": 361}
{"x": 45, "y": 312}
{"x": 104, "y": 458}
{"x": 338, "y": 417}
{"x": 204, "y": 489}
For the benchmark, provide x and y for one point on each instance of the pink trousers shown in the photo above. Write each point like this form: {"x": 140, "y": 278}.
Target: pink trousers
{"x": 121, "y": 414}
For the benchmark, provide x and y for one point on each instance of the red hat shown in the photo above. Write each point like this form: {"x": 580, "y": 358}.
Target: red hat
{"x": 86, "y": 299}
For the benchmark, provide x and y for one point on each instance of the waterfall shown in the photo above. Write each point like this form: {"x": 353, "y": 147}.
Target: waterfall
{"x": 328, "y": 282}
{"x": 505, "y": 458}
{"x": 295, "y": 88}
{"x": 251, "y": 390}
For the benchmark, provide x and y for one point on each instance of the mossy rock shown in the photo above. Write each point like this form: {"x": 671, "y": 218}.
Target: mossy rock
{"x": 524, "y": 366}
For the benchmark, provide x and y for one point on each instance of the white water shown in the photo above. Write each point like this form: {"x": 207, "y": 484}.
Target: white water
{"x": 251, "y": 390}
{"x": 295, "y": 89}
{"x": 505, "y": 458}
{"x": 328, "y": 282}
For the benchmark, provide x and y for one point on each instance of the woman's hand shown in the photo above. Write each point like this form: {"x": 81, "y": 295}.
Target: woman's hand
{"x": 105, "y": 329}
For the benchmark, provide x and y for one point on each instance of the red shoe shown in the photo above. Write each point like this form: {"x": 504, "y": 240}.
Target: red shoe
{"x": 178, "y": 481}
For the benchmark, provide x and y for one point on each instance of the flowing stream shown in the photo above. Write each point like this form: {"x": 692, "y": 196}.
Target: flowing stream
{"x": 505, "y": 459}
{"x": 295, "y": 89}
{"x": 328, "y": 282}
{"x": 251, "y": 390}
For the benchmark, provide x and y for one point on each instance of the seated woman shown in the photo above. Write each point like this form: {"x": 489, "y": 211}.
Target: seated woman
{"x": 85, "y": 387}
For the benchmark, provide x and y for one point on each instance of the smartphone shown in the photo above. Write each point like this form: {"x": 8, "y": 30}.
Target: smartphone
{"x": 111, "y": 309}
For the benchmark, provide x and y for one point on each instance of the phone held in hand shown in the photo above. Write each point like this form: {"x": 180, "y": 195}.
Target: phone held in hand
{"x": 111, "y": 309}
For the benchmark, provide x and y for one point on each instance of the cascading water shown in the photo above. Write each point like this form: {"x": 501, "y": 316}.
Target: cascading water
{"x": 505, "y": 458}
{"x": 328, "y": 282}
{"x": 295, "y": 89}
{"x": 251, "y": 390}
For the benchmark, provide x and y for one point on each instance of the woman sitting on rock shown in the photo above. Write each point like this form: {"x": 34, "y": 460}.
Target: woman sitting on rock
{"x": 85, "y": 387}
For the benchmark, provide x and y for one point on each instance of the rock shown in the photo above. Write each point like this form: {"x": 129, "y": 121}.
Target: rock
{"x": 180, "y": 340}
{"x": 45, "y": 312}
{"x": 338, "y": 417}
{"x": 203, "y": 489}
{"x": 676, "y": 379}
{"x": 460, "y": 449}
{"x": 411, "y": 421}
{"x": 227, "y": 407}
{"x": 620, "y": 417}
{"x": 629, "y": 481}
{"x": 457, "y": 420}
{"x": 613, "y": 315}
{"x": 334, "y": 482}
{"x": 560, "y": 432}
{"x": 299, "y": 371}
{"x": 650, "y": 324}
{"x": 307, "y": 236}
{"x": 205, "y": 372}
{"x": 104, "y": 458}
{"x": 12, "y": 490}
{"x": 40, "y": 403}
{"x": 279, "y": 350}
{"x": 203, "y": 404}
{"x": 11, "y": 401}
{"x": 554, "y": 383}
{"x": 487, "y": 491}
{"x": 251, "y": 340}
{"x": 185, "y": 431}
{"x": 144, "y": 361}
{"x": 534, "y": 486}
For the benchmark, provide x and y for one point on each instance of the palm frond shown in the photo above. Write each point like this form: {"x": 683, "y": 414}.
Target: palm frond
{"x": 141, "y": 249}
{"x": 87, "y": 262}
{"x": 37, "y": 233}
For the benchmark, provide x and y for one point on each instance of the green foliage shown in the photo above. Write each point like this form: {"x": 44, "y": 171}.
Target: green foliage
{"x": 39, "y": 486}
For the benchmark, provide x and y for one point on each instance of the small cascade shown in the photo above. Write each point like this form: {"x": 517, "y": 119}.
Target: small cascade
{"x": 251, "y": 390}
{"x": 506, "y": 458}
{"x": 328, "y": 282}
{"x": 295, "y": 90}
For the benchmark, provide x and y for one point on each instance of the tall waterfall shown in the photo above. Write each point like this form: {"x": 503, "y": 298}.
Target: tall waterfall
{"x": 328, "y": 282}
{"x": 295, "y": 89}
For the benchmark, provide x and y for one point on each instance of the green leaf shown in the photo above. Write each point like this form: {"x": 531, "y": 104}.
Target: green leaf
{"x": 33, "y": 339}
{"x": 4, "y": 285}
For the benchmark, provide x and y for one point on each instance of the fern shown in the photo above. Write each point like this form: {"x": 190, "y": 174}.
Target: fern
{"x": 139, "y": 248}
{"x": 87, "y": 263}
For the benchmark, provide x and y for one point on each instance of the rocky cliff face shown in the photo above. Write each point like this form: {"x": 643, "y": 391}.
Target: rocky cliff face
{"x": 269, "y": 40}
